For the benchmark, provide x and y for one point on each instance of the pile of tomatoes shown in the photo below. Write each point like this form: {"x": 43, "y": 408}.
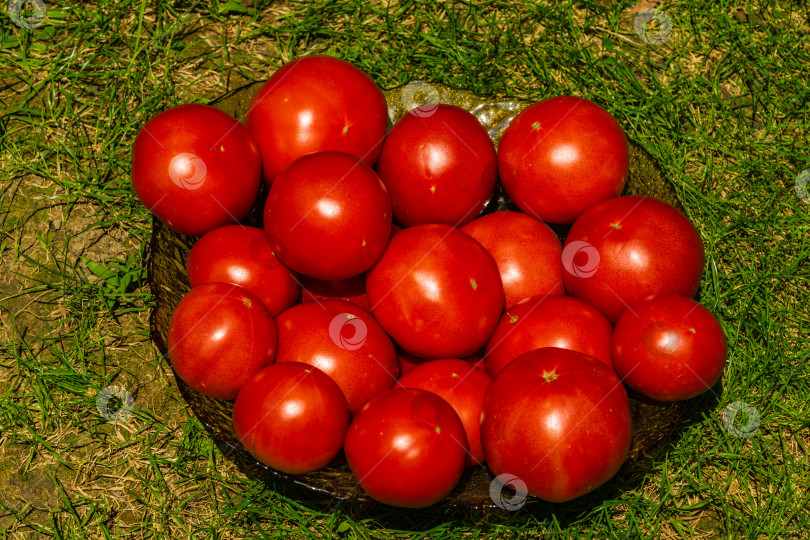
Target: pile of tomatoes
{"x": 377, "y": 314}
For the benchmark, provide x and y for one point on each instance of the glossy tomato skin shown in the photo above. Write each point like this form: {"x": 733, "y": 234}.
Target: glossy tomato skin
{"x": 562, "y": 155}
{"x": 669, "y": 347}
{"x": 291, "y": 417}
{"x": 328, "y": 216}
{"x": 438, "y": 165}
{"x": 342, "y": 340}
{"x": 548, "y": 321}
{"x": 352, "y": 290}
{"x": 436, "y": 291}
{"x": 625, "y": 249}
{"x": 406, "y": 447}
{"x": 195, "y": 168}
{"x": 460, "y": 384}
{"x": 242, "y": 256}
{"x": 219, "y": 336}
{"x": 317, "y": 103}
{"x": 557, "y": 419}
{"x": 528, "y": 253}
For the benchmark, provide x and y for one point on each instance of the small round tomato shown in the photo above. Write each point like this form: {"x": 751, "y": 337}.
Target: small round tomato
{"x": 436, "y": 291}
{"x": 328, "y": 216}
{"x": 352, "y": 290}
{"x": 557, "y": 419}
{"x": 317, "y": 103}
{"x": 624, "y": 249}
{"x": 460, "y": 384}
{"x": 342, "y": 340}
{"x": 528, "y": 253}
{"x": 406, "y": 447}
{"x": 291, "y": 417}
{"x": 219, "y": 336}
{"x": 438, "y": 165}
{"x": 548, "y": 321}
{"x": 669, "y": 347}
{"x": 562, "y": 155}
{"x": 195, "y": 168}
{"x": 242, "y": 256}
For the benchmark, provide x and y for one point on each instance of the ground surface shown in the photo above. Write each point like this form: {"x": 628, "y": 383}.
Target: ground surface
{"x": 717, "y": 92}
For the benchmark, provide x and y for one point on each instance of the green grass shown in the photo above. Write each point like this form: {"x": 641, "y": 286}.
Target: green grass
{"x": 723, "y": 105}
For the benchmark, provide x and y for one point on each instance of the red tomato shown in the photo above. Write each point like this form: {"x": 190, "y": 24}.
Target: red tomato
{"x": 342, "y": 340}
{"x": 352, "y": 290}
{"x": 291, "y": 417}
{"x": 195, "y": 168}
{"x": 317, "y": 103}
{"x": 406, "y": 447}
{"x": 463, "y": 386}
{"x": 548, "y": 321}
{"x": 438, "y": 165}
{"x": 436, "y": 291}
{"x": 669, "y": 347}
{"x": 562, "y": 155}
{"x": 219, "y": 336}
{"x": 241, "y": 255}
{"x": 627, "y": 248}
{"x": 557, "y": 419}
{"x": 528, "y": 253}
{"x": 328, "y": 216}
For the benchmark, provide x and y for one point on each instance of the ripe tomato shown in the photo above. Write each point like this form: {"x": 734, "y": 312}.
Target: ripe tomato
{"x": 195, "y": 168}
{"x": 436, "y": 291}
{"x": 352, "y": 290}
{"x": 624, "y": 249}
{"x": 219, "y": 336}
{"x": 406, "y": 447}
{"x": 548, "y": 321}
{"x": 328, "y": 216}
{"x": 241, "y": 255}
{"x": 342, "y": 340}
{"x": 291, "y": 417}
{"x": 438, "y": 165}
{"x": 562, "y": 155}
{"x": 669, "y": 347}
{"x": 317, "y": 103}
{"x": 460, "y": 384}
{"x": 557, "y": 419}
{"x": 528, "y": 253}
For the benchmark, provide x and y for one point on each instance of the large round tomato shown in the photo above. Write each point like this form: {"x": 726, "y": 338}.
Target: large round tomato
{"x": 562, "y": 155}
{"x": 317, "y": 103}
{"x": 548, "y": 321}
{"x": 436, "y": 291}
{"x": 624, "y": 249}
{"x": 291, "y": 417}
{"x": 219, "y": 336}
{"x": 527, "y": 251}
{"x": 195, "y": 168}
{"x": 669, "y": 347}
{"x": 241, "y": 255}
{"x": 557, "y": 419}
{"x": 328, "y": 216}
{"x": 463, "y": 386}
{"x": 344, "y": 341}
{"x": 438, "y": 165}
{"x": 406, "y": 447}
